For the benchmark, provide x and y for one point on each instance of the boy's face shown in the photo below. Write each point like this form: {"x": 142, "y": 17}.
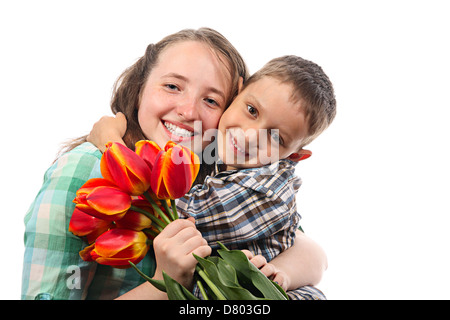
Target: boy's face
{"x": 261, "y": 126}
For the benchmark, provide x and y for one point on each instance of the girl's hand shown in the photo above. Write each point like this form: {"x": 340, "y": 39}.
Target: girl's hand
{"x": 108, "y": 129}
{"x": 269, "y": 270}
{"x": 174, "y": 247}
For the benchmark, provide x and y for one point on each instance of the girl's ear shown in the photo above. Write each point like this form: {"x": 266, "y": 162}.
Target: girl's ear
{"x": 302, "y": 154}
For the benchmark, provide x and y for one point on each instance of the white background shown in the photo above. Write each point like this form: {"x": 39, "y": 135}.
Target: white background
{"x": 375, "y": 192}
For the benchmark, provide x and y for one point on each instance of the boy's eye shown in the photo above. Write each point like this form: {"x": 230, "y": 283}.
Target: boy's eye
{"x": 274, "y": 134}
{"x": 252, "y": 111}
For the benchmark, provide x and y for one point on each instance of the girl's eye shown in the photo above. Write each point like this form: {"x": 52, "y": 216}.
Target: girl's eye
{"x": 171, "y": 87}
{"x": 252, "y": 111}
{"x": 211, "y": 101}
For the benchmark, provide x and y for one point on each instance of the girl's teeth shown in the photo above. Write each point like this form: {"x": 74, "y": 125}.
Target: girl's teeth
{"x": 177, "y": 130}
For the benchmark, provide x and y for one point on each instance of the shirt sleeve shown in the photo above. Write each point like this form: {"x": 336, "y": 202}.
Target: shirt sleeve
{"x": 52, "y": 266}
{"x": 247, "y": 210}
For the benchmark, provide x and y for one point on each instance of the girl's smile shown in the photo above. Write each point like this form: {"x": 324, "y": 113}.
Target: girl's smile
{"x": 179, "y": 132}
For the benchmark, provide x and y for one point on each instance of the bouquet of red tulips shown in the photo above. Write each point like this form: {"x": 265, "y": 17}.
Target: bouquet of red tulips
{"x": 121, "y": 213}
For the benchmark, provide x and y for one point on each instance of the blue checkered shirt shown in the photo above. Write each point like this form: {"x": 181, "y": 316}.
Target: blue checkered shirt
{"x": 253, "y": 209}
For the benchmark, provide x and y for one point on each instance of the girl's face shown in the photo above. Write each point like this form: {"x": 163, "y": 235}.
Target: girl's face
{"x": 188, "y": 84}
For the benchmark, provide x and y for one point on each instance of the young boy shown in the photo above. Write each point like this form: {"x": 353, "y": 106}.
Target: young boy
{"x": 250, "y": 203}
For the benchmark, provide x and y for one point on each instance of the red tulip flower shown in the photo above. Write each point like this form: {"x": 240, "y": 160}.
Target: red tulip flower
{"x": 174, "y": 170}
{"x": 136, "y": 220}
{"x": 120, "y": 212}
{"x": 125, "y": 168}
{"x": 102, "y": 199}
{"x": 85, "y": 225}
{"x": 147, "y": 150}
{"x": 116, "y": 247}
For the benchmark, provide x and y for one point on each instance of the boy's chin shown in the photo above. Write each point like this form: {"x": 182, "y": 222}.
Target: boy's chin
{"x": 248, "y": 164}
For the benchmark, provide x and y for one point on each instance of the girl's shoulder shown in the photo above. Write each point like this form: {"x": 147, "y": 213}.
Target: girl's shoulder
{"x": 80, "y": 163}
{"x": 85, "y": 148}
{"x": 63, "y": 178}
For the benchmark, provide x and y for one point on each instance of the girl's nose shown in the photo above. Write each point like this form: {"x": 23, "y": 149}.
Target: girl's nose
{"x": 188, "y": 110}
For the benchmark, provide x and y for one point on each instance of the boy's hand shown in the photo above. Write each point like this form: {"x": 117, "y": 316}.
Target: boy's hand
{"x": 108, "y": 129}
{"x": 174, "y": 247}
{"x": 269, "y": 270}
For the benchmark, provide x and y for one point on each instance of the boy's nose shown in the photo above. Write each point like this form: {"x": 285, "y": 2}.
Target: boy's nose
{"x": 251, "y": 135}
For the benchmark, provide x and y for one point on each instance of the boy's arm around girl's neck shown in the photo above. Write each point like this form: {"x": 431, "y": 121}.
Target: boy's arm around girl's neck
{"x": 304, "y": 262}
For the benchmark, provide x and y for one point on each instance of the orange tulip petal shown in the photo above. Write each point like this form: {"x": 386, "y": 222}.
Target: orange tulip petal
{"x": 113, "y": 241}
{"x": 174, "y": 171}
{"x": 82, "y": 224}
{"x": 85, "y": 254}
{"x": 123, "y": 263}
{"x": 147, "y": 150}
{"x": 177, "y": 172}
{"x": 108, "y": 200}
{"x": 157, "y": 182}
{"x": 125, "y": 168}
{"x": 97, "y": 182}
{"x": 134, "y": 221}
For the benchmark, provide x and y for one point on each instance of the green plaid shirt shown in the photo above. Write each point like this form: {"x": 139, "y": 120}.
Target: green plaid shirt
{"x": 52, "y": 264}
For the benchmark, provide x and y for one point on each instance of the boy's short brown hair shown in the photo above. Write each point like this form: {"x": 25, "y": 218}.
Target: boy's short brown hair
{"x": 311, "y": 87}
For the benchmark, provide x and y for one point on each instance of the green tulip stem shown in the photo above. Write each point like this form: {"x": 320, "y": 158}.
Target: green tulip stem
{"x": 151, "y": 232}
{"x": 174, "y": 208}
{"x": 202, "y": 289}
{"x": 166, "y": 207}
{"x": 159, "y": 224}
{"x": 210, "y": 284}
{"x": 156, "y": 208}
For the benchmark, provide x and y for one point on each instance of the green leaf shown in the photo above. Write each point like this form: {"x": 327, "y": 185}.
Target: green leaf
{"x": 158, "y": 284}
{"x": 222, "y": 287}
{"x": 251, "y": 277}
{"x": 279, "y": 288}
{"x": 227, "y": 273}
{"x": 207, "y": 270}
{"x": 176, "y": 291}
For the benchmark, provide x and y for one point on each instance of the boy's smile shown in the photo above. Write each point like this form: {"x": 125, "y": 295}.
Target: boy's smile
{"x": 261, "y": 126}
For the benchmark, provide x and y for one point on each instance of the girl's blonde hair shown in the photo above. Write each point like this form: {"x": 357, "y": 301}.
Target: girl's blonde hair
{"x": 129, "y": 86}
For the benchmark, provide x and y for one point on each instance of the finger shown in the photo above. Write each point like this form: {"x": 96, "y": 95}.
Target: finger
{"x": 258, "y": 261}
{"x": 190, "y": 238}
{"x": 196, "y": 245}
{"x": 268, "y": 270}
{"x": 248, "y": 254}
{"x": 192, "y": 219}
{"x": 176, "y": 226}
{"x": 121, "y": 121}
{"x": 203, "y": 251}
{"x": 280, "y": 279}
{"x": 120, "y": 115}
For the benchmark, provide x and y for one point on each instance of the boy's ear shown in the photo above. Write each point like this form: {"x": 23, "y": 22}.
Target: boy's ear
{"x": 240, "y": 84}
{"x": 300, "y": 155}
